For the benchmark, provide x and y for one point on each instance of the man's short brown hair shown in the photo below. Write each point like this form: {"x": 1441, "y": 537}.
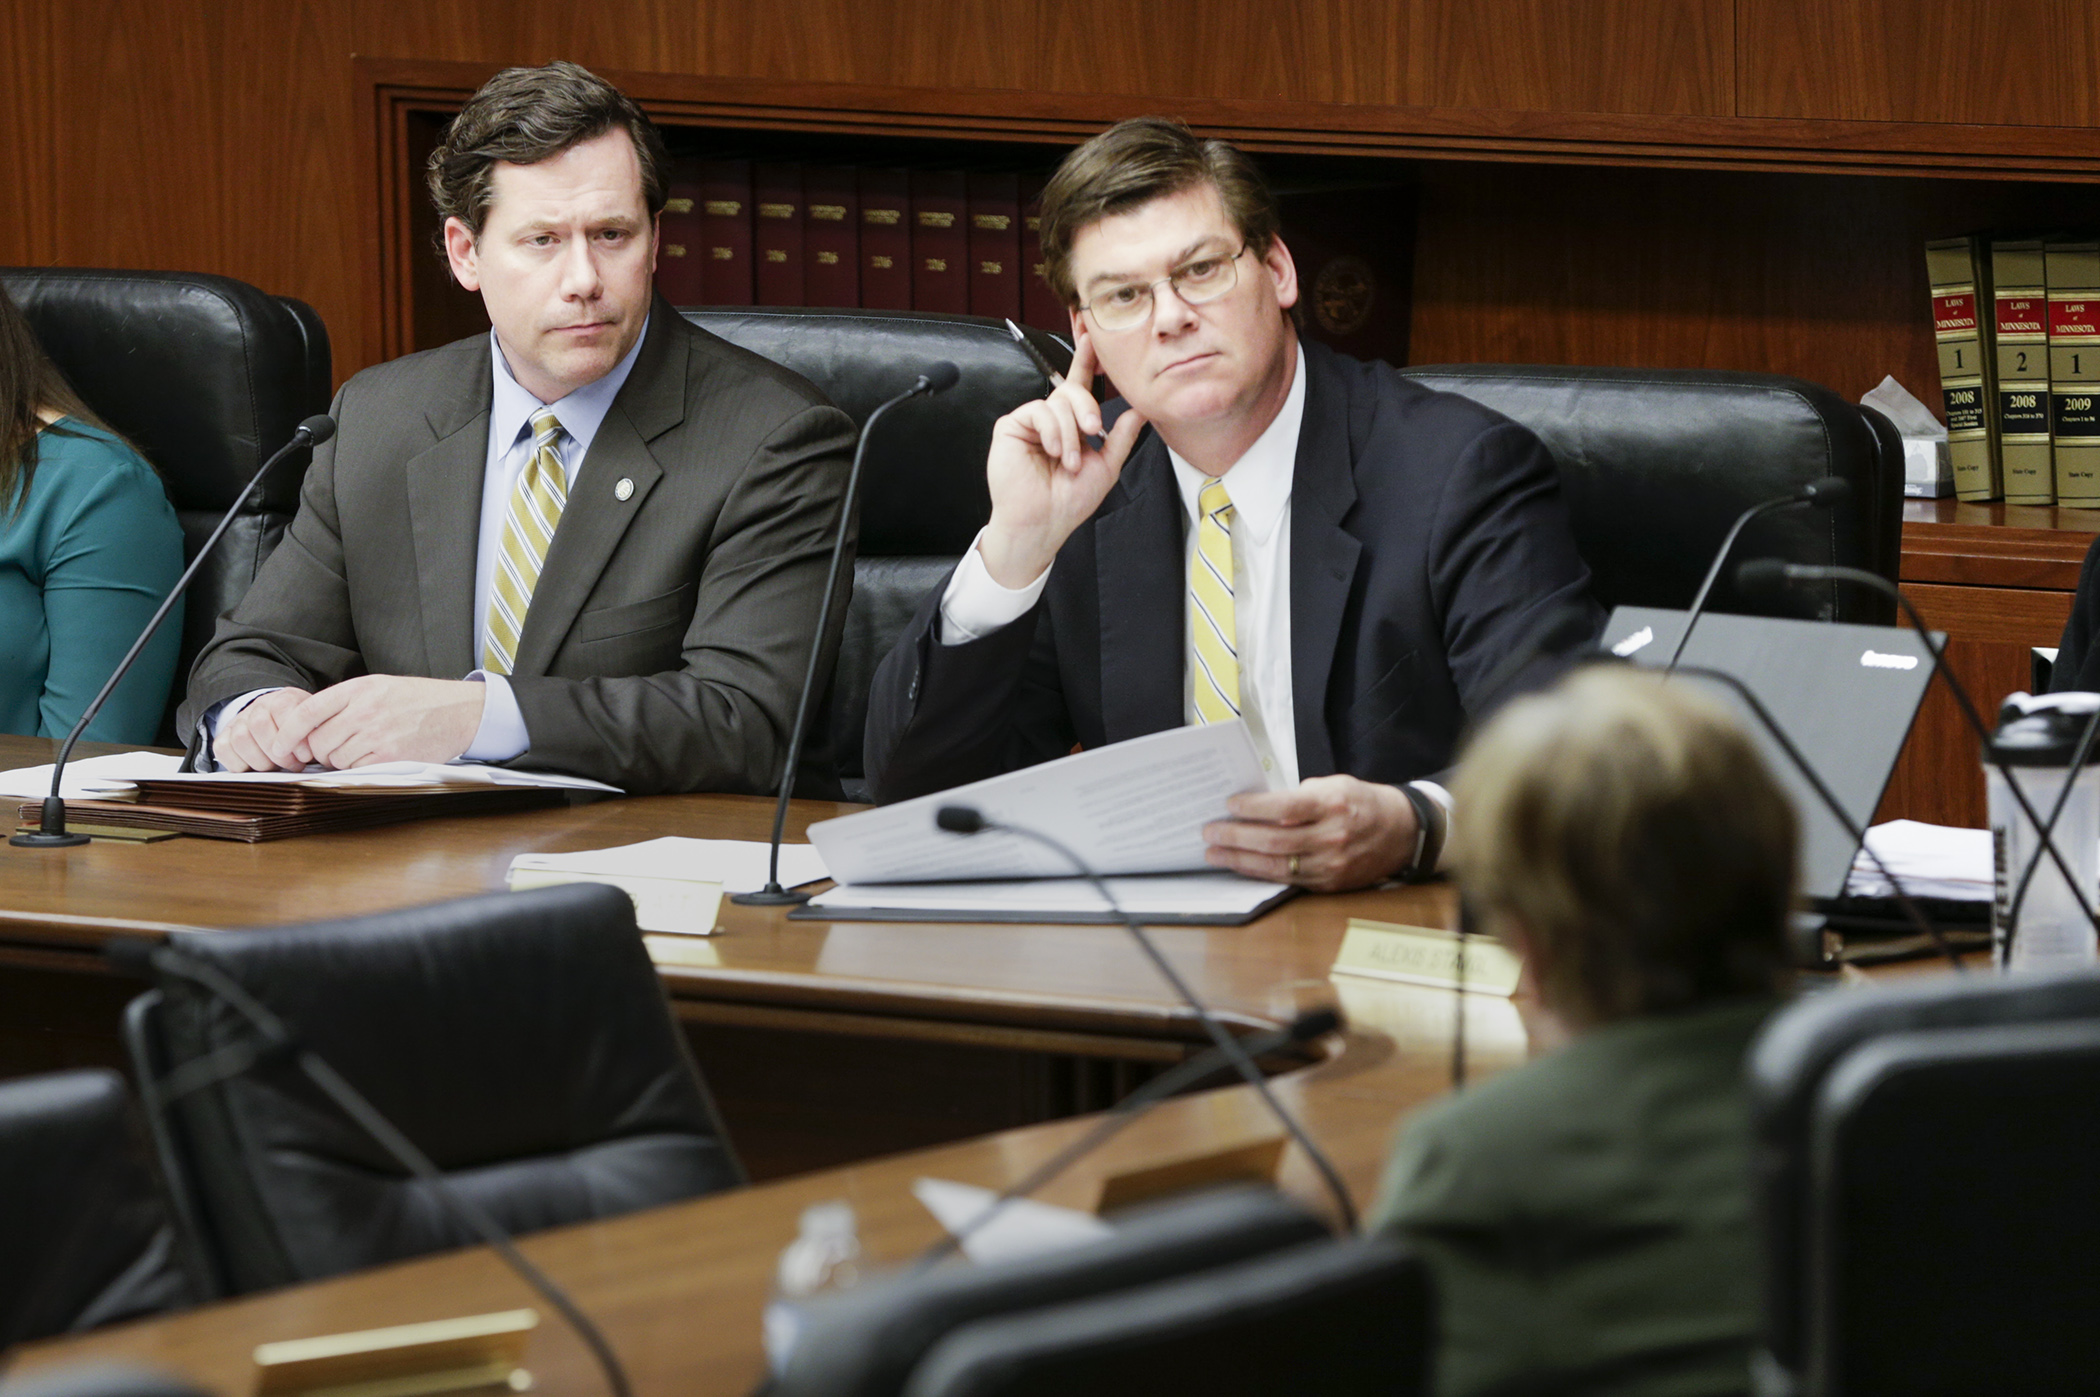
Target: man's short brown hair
{"x": 524, "y": 116}
{"x": 1133, "y": 163}
{"x": 1633, "y": 833}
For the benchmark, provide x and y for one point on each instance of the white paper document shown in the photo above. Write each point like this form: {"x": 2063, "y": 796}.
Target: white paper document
{"x": 1021, "y": 1227}
{"x": 1130, "y": 807}
{"x": 739, "y": 865}
{"x": 1928, "y": 860}
{"x": 91, "y": 778}
{"x": 1213, "y": 897}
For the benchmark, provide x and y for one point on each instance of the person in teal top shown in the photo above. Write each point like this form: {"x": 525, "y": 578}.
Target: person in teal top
{"x": 1587, "y": 1217}
{"x": 88, "y": 547}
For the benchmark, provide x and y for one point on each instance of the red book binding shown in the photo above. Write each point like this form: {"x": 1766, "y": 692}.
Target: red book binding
{"x": 777, "y": 263}
{"x": 885, "y": 240}
{"x": 1039, "y": 305}
{"x": 678, "y": 247}
{"x": 725, "y": 228}
{"x": 940, "y": 241}
{"x": 830, "y": 236}
{"x": 995, "y": 245}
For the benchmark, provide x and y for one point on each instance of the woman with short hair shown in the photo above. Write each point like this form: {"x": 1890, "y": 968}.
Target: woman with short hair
{"x": 88, "y": 547}
{"x": 1588, "y": 1216}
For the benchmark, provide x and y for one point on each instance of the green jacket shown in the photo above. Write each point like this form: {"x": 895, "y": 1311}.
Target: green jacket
{"x": 1587, "y": 1217}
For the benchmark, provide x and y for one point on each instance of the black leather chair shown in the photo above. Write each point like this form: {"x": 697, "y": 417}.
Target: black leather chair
{"x": 923, "y": 495}
{"x": 1927, "y": 1158}
{"x": 1349, "y": 1318}
{"x": 83, "y": 1237}
{"x": 869, "y": 1341}
{"x": 207, "y": 376}
{"x": 1656, "y": 464}
{"x": 521, "y": 1040}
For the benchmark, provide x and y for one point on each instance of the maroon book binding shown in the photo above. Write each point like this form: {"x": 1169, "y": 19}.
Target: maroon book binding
{"x": 725, "y": 232}
{"x": 830, "y": 236}
{"x": 995, "y": 245}
{"x": 885, "y": 239}
{"x": 776, "y": 190}
{"x": 1039, "y": 304}
{"x": 940, "y": 241}
{"x": 678, "y": 247}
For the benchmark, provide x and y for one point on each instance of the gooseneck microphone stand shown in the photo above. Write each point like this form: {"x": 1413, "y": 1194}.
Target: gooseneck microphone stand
{"x": 1829, "y": 490}
{"x": 938, "y": 378}
{"x": 51, "y": 831}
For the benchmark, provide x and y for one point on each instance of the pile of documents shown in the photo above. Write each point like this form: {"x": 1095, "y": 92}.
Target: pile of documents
{"x": 1934, "y": 861}
{"x": 144, "y": 790}
{"x": 676, "y": 883}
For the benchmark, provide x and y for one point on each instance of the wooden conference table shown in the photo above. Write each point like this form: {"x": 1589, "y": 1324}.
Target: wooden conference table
{"x": 803, "y": 1029}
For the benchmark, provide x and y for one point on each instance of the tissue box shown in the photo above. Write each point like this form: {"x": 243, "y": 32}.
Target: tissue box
{"x": 1928, "y": 470}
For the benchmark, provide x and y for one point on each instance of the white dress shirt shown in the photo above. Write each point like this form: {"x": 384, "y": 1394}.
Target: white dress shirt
{"x": 502, "y": 734}
{"x": 1259, "y": 485}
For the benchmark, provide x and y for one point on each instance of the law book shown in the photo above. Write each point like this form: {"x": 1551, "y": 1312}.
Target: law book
{"x": 885, "y": 239}
{"x": 2073, "y": 271}
{"x": 777, "y": 233}
{"x": 940, "y": 241}
{"x": 2021, "y": 332}
{"x": 1039, "y": 304}
{"x": 830, "y": 236}
{"x": 1958, "y": 270}
{"x": 678, "y": 245}
{"x": 995, "y": 244}
{"x": 725, "y": 232}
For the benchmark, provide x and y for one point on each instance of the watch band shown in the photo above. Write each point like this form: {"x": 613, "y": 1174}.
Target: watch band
{"x": 1430, "y": 825}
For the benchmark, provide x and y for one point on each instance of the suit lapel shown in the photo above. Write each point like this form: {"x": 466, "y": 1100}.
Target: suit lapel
{"x": 1137, "y": 565}
{"x": 444, "y": 506}
{"x": 651, "y": 402}
{"x": 1323, "y": 556}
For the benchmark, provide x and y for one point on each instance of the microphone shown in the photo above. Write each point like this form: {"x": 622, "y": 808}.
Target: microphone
{"x": 1770, "y": 575}
{"x": 138, "y": 957}
{"x": 1829, "y": 490}
{"x": 1308, "y": 1027}
{"x": 937, "y": 378}
{"x": 51, "y": 832}
{"x": 965, "y": 819}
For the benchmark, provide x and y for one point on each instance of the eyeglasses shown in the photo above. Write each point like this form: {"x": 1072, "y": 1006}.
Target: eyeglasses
{"x": 1203, "y": 280}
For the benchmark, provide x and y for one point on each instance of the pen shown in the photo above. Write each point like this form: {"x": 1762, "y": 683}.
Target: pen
{"x": 1057, "y": 380}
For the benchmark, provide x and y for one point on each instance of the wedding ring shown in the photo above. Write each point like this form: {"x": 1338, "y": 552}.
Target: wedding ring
{"x": 1294, "y": 865}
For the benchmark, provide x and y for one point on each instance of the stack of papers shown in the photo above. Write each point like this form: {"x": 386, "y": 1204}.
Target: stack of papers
{"x": 676, "y": 884}
{"x": 1939, "y": 861}
{"x": 143, "y": 790}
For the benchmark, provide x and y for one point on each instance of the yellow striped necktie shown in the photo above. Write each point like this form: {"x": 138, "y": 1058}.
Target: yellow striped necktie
{"x": 535, "y": 508}
{"x": 1214, "y": 650}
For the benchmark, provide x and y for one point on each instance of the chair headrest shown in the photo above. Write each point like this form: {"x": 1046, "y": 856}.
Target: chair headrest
{"x": 923, "y": 488}
{"x": 205, "y": 374}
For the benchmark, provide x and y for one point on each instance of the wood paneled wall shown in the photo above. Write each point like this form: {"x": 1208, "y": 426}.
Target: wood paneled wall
{"x": 226, "y": 135}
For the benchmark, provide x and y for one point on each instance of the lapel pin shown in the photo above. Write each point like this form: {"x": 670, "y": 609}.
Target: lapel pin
{"x": 624, "y": 489}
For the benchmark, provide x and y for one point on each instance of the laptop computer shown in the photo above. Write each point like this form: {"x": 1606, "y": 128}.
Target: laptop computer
{"x": 1844, "y": 694}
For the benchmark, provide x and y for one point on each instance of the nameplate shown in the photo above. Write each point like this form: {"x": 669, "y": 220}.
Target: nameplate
{"x": 407, "y": 1360}
{"x": 1420, "y": 955}
{"x": 1252, "y": 1162}
{"x": 683, "y": 950}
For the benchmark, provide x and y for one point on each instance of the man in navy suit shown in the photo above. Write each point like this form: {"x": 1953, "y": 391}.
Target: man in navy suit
{"x": 1266, "y": 530}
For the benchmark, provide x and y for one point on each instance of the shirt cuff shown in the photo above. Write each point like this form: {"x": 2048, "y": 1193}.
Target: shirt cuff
{"x": 1441, "y": 797}
{"x": 976, "y": 604}
{"x": 502, "y": 734}
{"x": 216, "y": 717}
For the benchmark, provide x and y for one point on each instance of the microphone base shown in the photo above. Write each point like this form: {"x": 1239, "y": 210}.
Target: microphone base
{"x": 770, "y": 896}
{"x": 38, "y": 839}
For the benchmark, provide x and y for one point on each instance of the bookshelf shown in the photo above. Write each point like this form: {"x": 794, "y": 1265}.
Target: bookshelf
{"x": 1786, "y": 243}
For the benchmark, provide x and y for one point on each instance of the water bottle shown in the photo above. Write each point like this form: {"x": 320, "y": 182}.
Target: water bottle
{"x": 825, "y": 1256}
{"x": 2036, "y": 738}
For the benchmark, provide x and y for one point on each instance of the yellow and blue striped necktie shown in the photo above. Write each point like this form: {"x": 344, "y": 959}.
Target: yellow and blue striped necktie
{"x": 1214, "y": 650}
{"x": 528, "y": 529}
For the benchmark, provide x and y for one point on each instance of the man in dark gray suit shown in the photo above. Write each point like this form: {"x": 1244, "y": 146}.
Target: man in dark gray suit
{"x": 592, "y": 541}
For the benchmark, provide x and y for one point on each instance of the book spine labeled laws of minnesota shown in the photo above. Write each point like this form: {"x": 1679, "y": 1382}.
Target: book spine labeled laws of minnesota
{"x": 830, "y": 236}
{"x": 777, "y": 265}
{"x": 885, "y": 240}
{"x": 2073, "y": 269}
{"x": 940, "y": 241}
{"x": 2022, "y": 349}
{"x": 678, "y": 249}
{"x": 725, "y": 229}
{"x": 1960, "y": 278}
{"x": 1039, "y": 305}
{"x": 995, "y": 244}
